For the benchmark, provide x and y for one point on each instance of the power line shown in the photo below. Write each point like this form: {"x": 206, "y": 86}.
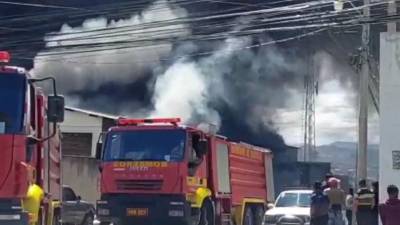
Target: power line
{"x": 262, "y": 44}
{"x": 109, "y": 30}
{"x": 40, "y": 5}
{"x": 163, "y": 36}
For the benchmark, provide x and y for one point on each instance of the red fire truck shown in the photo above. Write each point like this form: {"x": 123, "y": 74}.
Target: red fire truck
{"x": 30, "y": 149}
{"x": 155, "y": 171}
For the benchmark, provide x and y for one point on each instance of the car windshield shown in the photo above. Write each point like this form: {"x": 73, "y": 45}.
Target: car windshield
{"x": 145, "y": 145}
{"x": 292, "y": 199}
{"x": 12, "y": 95}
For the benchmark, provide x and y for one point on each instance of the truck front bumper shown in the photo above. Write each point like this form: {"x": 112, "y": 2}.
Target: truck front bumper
{"x": 144, "y": 210}
{"x": 11, "y": 218}
{"x": 11, "y": 213}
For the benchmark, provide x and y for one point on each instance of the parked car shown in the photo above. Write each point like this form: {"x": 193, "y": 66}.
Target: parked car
{"x": 74, "y": 210}
{"x": 291, "y": 207}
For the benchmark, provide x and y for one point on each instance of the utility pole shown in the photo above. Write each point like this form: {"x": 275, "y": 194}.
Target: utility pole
{"x": 311, "y": 89}
{"x": 363, "y": 98}
{"x": 392, "y": 10}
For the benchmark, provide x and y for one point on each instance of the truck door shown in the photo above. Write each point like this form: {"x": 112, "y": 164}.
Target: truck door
{"x": 222, "y": 161}
{"x": 197, "y": 159}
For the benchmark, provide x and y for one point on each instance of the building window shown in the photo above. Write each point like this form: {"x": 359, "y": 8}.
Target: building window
{"x": 77, "y": 144}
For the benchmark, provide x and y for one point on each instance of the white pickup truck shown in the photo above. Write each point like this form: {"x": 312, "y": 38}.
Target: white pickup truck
{"x": 291, "y": 207}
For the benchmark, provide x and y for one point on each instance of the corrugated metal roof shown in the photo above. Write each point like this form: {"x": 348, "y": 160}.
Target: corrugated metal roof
{"x": 92, "y": 113}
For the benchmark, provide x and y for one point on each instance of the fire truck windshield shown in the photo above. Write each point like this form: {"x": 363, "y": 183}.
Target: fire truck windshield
{"x": 145, "y": 145}
{"x": 12, "y": 98}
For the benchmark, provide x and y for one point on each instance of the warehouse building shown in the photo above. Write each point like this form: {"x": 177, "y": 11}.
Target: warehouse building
{"x": 80, "y": 133}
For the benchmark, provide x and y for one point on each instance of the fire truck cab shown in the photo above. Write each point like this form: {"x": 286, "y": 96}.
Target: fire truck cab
{"x": 30, "y": 148}
{"x": 155, "y": 171}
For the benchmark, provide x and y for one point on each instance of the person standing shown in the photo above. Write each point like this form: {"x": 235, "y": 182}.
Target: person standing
{"x": 319, "y": 206}
{"x": 365, "y": 203}
{"x": 390, "y": 210}
{"x": 337, "y": 199}
{"x": 349, "y": 206}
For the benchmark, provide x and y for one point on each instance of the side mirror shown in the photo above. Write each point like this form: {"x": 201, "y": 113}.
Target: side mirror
{"x": 202, "y": 147}
{"x": 55, "y": 109}
{"x": 270, "y": 206}
{"x": 99, "y": 146}
{"x": 78, "y": 198}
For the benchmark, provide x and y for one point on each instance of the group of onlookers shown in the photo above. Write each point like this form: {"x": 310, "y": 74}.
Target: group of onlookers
{"x": 329, "y": 201}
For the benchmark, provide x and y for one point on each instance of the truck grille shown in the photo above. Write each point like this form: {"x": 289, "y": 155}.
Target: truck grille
{"x": 139, "y": 184}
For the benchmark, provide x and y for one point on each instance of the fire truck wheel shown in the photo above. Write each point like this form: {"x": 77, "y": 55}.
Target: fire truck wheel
{"x": 207, "y": 216}
{"x": 248, "y": 218}
{"x": 258, "y": 214}
{"x": 57, "y": 218}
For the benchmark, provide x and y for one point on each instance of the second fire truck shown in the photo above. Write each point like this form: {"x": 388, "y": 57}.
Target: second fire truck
{"x": 155, "y": 171}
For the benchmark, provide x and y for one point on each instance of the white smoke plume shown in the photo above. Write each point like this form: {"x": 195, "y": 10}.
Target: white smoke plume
{"x": 182, "y": 91}
{"x": 189, "y": 88}
{"x": 79, "y": 71}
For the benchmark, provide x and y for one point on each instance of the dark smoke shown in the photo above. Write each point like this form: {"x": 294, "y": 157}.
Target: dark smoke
{"x": 120, "y": 98}
{"x": 240, "y": 91}
{"x": 235, "y": 127}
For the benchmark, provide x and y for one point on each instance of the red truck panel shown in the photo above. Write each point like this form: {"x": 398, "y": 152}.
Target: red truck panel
{"x": 141, "y": 177}
{"x": 247, "y": 173}
{"x": 13, "y": 172}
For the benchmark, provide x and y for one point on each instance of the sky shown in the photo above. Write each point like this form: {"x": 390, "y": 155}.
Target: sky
{"x": 336, "y": 117}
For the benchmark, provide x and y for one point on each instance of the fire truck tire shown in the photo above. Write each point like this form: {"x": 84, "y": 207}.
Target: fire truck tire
{"x": 248, "y": 217}
{"x": 40, "y": 217}
{"x": 207, "y": 213}
{"x": 258, "y": 214}
{"x": 56, "y": 218}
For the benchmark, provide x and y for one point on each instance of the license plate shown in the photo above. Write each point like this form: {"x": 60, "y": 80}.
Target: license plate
{"x": 137, "y": 212}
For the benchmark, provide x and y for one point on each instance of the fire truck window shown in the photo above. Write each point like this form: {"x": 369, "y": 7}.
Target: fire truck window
{"x": 115, "y": 146}
{"x": 194, "y": 158}
{"x": 33, "y": 105}
{"x": 12, "y": 97}
{"x": 153, "y": 145}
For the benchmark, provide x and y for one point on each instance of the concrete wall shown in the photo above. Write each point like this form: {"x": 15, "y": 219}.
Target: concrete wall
{"x": 295, "y": 175}
{"x": 81, "y": 173}
{"x": 77, "y": 122}
{"x": 389, "y": 111}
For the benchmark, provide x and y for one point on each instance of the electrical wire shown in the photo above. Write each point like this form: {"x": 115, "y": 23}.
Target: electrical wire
{"x": 163, "y": 36}
{"x": 261, "y": 44}
{"x": 39, "y": 5}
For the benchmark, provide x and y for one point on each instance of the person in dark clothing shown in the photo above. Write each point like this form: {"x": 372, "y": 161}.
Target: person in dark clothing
{"x": 365, "y": 204}
{"x": 375, "y": 210}
{"x": 319, "y": 206}
{"x": 390, "y": 210}
{"x": 349, "y": 206}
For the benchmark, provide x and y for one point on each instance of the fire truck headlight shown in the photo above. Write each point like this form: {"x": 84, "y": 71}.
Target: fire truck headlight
{"x": 176, "y": 203}
{"x": 10, "y": 217}
{"x": 103, "y": 212}
{"x": 176, "y": 213}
